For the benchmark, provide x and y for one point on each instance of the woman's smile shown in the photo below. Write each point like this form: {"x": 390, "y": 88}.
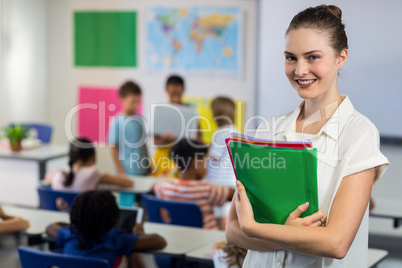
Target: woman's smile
{"x": 305, "y": 83}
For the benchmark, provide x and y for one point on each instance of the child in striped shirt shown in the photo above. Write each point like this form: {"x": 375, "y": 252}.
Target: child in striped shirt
{"x": 190, "y": 159}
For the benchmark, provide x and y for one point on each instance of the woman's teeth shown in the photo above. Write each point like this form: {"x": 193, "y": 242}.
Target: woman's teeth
{"x": 305, "y": 82}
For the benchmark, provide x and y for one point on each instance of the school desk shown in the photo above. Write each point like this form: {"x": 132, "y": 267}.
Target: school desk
{"x": 388, "y": 209}
{"x": 21, "y": 172}
{"x": 142, "y": 185}
{"x": 375, "y": 256}
{"x": 180, "y": 239}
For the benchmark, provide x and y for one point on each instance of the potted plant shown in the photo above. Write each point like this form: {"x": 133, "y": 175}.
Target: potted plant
{"x": 15, "y": 134}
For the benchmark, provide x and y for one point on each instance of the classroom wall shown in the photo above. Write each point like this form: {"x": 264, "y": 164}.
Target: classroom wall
{"x": 64, "y": 79}
{"x": 24, "y": 60}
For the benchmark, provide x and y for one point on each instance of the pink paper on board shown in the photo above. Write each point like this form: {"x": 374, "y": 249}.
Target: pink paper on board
{"x": 98, "y": 107}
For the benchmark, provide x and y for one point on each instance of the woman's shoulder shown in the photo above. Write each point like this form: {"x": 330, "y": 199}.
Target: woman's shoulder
{"x": 358, "y": 123}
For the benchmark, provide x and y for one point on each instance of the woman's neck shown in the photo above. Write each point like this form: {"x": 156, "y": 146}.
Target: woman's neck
{"x": 326, "y": 104}
{"x": 316, "y": 112}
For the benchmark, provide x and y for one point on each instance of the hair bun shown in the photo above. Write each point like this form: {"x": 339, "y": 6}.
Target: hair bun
{"x": 336, "y": 11}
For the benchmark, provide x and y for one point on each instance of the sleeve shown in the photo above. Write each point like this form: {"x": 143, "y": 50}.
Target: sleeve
{"x": 113, "y": 135}
{"x": 125, "y": 243}
{"x": 366, "y": 154}
{"x": 218, "y": 195}
{"x": 62, "y": 235}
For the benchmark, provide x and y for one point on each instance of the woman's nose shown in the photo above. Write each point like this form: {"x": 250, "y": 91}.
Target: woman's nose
{"x": 301, "y": 69}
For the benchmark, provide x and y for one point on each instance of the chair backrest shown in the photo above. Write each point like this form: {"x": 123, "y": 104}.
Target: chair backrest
{"x": 39, "y": 259}
{"x": 44, "y": 131}
{"x": 181, "y": 213}
{"x": 55, "y": 200}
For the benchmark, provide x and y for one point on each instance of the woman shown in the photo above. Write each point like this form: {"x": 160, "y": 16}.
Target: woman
{"x": 349, "y": 159}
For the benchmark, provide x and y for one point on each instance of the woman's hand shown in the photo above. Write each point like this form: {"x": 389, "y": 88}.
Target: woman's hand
{"x": 244, "y": 210}
{"x": 317, "y": 219}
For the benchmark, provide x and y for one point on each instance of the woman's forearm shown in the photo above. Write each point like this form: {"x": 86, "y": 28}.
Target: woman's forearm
{"x": 235, "y": 236}
{"x": 317, "y": 241}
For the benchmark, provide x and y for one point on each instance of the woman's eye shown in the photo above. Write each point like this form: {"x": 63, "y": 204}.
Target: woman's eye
{"x": 290, "y": 58}
{"x": 314, "y": 57}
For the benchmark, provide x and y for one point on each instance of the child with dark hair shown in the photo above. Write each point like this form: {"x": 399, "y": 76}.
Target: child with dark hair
{"x": 83, "y": 174}
{"x": 127, "y": 134}
{"x": 189, "y": 156}
{"x": 91, "y": 232}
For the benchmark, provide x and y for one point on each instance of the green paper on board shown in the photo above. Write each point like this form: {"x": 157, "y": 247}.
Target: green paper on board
{"x": 105, "y": 39}
{"x": 277, "y": 180}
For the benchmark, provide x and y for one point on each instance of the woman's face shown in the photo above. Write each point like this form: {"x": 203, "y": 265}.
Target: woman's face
{"x": 311, "y": 64}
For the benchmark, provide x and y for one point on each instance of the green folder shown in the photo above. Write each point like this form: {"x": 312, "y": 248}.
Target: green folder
{"x": 277, "y": 180}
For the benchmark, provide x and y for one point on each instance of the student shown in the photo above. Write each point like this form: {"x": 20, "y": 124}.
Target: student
{"x": 219, "y": 166}
{"x": 189, "y": 156}
{"x": 11, "y": 224}
{"x": 349, "y": 158}
{"x": 175, "y": 87}
{"x": 91, "y": 232}
{"x": 127, "y": 136}
{"x": 83, "y": 174}
{"x": 226, "y": 255}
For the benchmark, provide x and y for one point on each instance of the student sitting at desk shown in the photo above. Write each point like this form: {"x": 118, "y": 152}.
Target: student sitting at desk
{"x": 83, "y": 174}
{"x": 91, "y": 232}
{"x": 189, "y": 157}
{"x": 11, "y": 224}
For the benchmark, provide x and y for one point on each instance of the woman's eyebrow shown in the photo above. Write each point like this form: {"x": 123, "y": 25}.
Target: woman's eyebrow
{"x": 305, "y": 53}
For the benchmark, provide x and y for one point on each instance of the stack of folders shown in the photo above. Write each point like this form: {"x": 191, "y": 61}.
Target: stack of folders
{"x": 277, "y": 176}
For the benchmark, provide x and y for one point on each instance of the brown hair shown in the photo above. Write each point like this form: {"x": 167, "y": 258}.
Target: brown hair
{"x": 223, "y": 109}
{"x": 128, "y": 88}
{"x": 323, "y": 17}
{"x": 234, "y": 255}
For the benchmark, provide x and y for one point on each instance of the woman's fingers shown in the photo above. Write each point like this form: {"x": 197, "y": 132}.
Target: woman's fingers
{"x": 299, "y": 210}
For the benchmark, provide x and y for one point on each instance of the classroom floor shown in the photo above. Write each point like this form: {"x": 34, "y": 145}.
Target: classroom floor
{"x": 9, "y": 254}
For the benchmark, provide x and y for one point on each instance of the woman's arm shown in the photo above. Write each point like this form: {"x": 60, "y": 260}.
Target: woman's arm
{"x": 118, "y": 180}
{"x": 334, "y": 241}
{"x": 236, "y": 236}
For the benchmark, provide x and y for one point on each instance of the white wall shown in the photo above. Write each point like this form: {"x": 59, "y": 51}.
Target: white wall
{"x": 65, "y": 79}
{"x": 24, "y": 51}
{"x": 371, "y": 75}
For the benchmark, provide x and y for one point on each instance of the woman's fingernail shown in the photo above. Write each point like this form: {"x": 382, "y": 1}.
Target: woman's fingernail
{"x": 306, "y": 204}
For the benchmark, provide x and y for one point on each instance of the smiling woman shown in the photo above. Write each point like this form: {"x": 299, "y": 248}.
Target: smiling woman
{"x": 349, "y": 159}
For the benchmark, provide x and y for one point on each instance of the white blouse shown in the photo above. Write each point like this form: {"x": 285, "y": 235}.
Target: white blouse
{"x": 348, "y": 143}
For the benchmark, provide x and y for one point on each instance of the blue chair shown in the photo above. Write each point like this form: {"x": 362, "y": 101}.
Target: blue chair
{"x": 181, "y": 213}
{"x": 55, "y": 200}
{"x": 44, "y": 131}
{"x": 34, "y": 258}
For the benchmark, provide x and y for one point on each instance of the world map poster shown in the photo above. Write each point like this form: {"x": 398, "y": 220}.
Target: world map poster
{"x": 197, "y": 39}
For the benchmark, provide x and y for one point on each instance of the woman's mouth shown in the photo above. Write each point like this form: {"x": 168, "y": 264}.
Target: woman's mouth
{"x": 305, "y": 83}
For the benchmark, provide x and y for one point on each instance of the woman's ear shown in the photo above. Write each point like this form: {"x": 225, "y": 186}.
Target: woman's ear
{"x": 342, "y": 58}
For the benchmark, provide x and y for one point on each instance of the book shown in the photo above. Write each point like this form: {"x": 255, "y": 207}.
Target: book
{"x": 277, "y": 178}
